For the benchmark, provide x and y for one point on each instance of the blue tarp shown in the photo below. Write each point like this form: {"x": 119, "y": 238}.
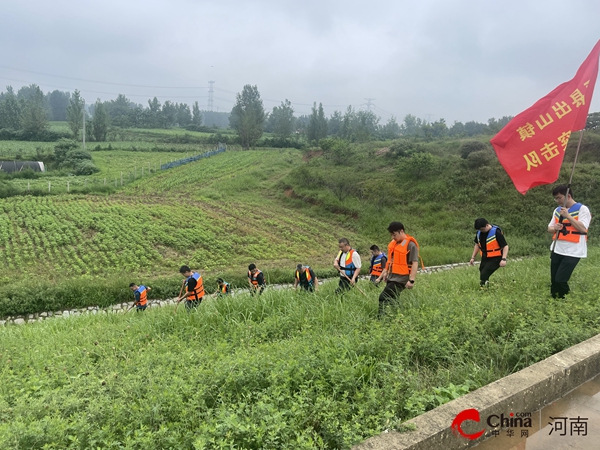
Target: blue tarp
{"x": 183, "y": 161}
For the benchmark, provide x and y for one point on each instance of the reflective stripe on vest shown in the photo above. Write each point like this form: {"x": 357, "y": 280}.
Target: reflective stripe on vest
{"x": 308, "y": 275}
{"x": 569, "y": 233}
{"x": 349, "y": 268}
{"x": 492, "y": 248}
{"x": 398, "y": 256}
{"x": 224, "y": 288}
{"x": 143, "y": 295}
{"x": 198, "y": 292}
{"x": 254, "y": 278}
{"x": 376, "y": 266}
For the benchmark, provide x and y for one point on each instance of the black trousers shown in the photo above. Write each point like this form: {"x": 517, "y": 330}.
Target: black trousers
{"x": 561, "y": 269}
{"x": 389, "y": 295}
{"x": 192, "y": 304}
{"x": 257, "y": 289}
{"x": 307, "y": 287}
{"x": 487, "y": 267}
{"x": 343, "y": 286}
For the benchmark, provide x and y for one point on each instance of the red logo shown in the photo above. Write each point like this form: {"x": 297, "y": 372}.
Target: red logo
{"x": 467, "y": 414}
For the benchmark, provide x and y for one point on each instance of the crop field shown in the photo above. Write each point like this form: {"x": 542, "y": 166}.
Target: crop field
{"x": 285, "y": 370}
{"x": 24, "y": 149}
{"x": 212, "y": 214}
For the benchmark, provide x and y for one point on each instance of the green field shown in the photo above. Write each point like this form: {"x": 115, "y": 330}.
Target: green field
{"x": 282, "y": 371}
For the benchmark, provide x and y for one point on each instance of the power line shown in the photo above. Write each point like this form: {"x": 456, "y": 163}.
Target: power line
{"x": 103, "y": 82}
{"x": 105, "y": 93}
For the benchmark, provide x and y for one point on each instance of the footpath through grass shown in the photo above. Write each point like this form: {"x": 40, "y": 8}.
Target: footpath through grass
{"x": 285, "y": 370}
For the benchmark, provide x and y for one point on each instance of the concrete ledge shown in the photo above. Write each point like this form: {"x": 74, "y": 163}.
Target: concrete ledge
{"x": 525, "y": 391}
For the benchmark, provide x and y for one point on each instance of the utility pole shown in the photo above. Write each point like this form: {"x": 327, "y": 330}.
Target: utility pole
{"x": 369, "y": 103}
{"x": 83, "y": 114}
{"x": 210, "y": 95}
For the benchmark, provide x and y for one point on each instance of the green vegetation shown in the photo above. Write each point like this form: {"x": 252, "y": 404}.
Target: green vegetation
{"x": 436, "y": 189}
{"x": 215, "y": 214}
{"x": 274, "y": 207}
{"x": 282, "y": 371}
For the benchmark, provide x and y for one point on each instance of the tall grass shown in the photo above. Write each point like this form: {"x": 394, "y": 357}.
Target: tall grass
{"x": 284, "y": 370}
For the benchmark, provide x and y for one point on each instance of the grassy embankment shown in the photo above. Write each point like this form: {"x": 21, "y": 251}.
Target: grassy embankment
{"x": 272, "y": 207}
{"x": 285, "y": 370}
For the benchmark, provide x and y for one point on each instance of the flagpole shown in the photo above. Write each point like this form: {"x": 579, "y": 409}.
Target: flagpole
{"x": 568, "y": 188}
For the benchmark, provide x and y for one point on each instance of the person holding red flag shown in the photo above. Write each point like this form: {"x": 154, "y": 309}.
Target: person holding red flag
{"x": 569, "y": 224}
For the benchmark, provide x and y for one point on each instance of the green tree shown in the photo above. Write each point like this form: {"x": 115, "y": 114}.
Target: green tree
{"x": 247, "y": 117}
{"x": 75, "y": 113}
{"x": 283, "y": 120}
{"x": 334, "y": 125}
{"x": 411, "y": 125}
{"x": 365, "y": 126}
{"x": 348, "y": 123}
{"x": 196, "y": 116}
{"x": 153, "y": 114}
{"x": 419, "y": 166}
{"x": 593, "y": 121}
{"x": 58, "y": 102}
{"x": 10, "y": 110}
{"x": 100, "y": 122}
{"x": 391, "y": 130}
{"x": 317, "y": 126}
{"x": 35, "y": 121}
{"x": 121, "y": 111}
{"x": 337, "y": 150}
{"x": 168, "y": 115}
{"x": 184, "y": 115}
{"x": 439, "y": 129}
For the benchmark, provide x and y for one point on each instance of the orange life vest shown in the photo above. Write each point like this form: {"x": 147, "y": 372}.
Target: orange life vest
{"x": 308, "y": 275}
{"x": 198, "y": 291}
{"x": 376, "y": 266}
{"x": 492, "y": 248}
{"x": 349, "y": 268}
{"x": 569, "y": 233}
{"x": 225, "y": 288}
{"x": 254, "y": 278}
{"x": 143, "y": 296}
{"x": 398, "y": 256}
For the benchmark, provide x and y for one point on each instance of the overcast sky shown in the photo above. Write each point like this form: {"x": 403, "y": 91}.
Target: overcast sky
{"x": 460, "y": 60}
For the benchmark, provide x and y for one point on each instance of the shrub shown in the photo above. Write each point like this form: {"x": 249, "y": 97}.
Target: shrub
{"x": 478, "y": 159}
{"x": 469, "y": 147}
{"x": 85, "y": 167}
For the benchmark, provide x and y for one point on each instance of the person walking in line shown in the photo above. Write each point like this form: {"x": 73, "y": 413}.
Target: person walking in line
{"x": 305, "y": 277}
{"x": 223, "y": 288}
{"x": 256, "y": 280}
{"x": 490, "y": 242}
{"x": 348, "y": 264}
{"x": 569, "y": 226}
{"x": 378, "y": 262}
{"x": 401, "y": 268}
{"x": 194, "y": 288}
{"x": 140, "y": 294}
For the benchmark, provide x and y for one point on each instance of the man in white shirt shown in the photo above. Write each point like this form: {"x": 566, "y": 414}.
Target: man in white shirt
{"x": 569, "y": 224}
{"x": 348, "y": 264}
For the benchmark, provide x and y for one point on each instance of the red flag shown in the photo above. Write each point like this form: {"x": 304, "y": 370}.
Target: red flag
{"x": 531, "y": 147}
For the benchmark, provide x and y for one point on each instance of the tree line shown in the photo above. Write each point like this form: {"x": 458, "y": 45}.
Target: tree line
{"x": 25, "y": 114}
